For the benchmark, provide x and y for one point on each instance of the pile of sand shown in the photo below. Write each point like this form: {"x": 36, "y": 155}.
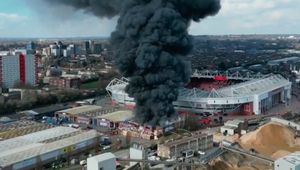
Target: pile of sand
{"x": 221, "y": 165}
{"x": 232, "y": 161}
{"x": 271, "y": 138}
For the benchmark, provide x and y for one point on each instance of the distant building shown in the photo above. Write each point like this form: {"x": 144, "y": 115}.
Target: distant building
{"x": 31, "y": 47}
{"x": 87, "y": 47}
{"x": 65, "y": 83}
{"x": 288, "y": 60}
{"x": 175, "y": 148}
{"x": 5, "y": 120}
{"x": 70, "y": 51}
{"x": 49, "y": 111}
{"x": 46, "y": 51}
{"x": 289, "y": 162}
{"x": 232, "y": 127}
{"x": 91, "y": 45}
{"x": 57, "y": 49}
{"x": 18, "y": 69}
{"x": 97, "y": 48}
{"x": 106, "y": 161}
{"x": 13, "y": 95}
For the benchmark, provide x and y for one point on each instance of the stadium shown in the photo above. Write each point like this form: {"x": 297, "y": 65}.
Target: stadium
{"x": 217, "y": 92}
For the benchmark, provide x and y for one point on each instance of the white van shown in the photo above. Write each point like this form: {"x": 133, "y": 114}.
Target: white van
{"x": 188, "y": 154}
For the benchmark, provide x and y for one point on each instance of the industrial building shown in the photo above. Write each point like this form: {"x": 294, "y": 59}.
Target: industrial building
{"x": 175, "y": 148}
{"x": 80, "y": 115}
{"x": 123, "y": 122}
{"x": 106, "y": 161}
{"x": 39, "y": 113}
{"x": 289, "y": 162}
{"x": 232, "y": 127}
{"x": 111, "y": 121}
{"x": 40, "y": 148}
{"x": 18, "y": 68}
{"x": 215, "y": 92}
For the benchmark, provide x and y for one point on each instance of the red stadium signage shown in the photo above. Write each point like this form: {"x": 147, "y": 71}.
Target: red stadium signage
{"x": 220, "y": 78}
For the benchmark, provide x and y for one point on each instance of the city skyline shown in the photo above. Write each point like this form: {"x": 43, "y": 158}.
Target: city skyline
{"x": 31, "y": 18}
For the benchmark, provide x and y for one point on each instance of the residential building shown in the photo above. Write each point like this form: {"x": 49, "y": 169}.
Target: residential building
{"x": 17, "y": 69}
{"x": 65, "y": 82}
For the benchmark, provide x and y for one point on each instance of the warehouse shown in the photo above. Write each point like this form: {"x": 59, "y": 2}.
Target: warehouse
{"x": 111, "y": 120}
{"x": 39, "y": 113}
{"x": 81, "y": 114}
{"x": 39, "y": 148}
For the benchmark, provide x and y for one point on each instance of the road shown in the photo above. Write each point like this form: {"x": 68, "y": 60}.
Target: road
{"x": 212, "y": 154}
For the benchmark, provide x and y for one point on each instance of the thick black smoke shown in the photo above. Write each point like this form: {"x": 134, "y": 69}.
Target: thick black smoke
{"x": 150, "y": 42}
{"x": 100, "y": 8}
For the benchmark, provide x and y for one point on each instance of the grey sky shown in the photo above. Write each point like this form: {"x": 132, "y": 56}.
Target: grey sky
{"x": 19, "y": 19}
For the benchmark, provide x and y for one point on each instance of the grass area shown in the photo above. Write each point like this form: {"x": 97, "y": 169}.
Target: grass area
{"x": 90, "y": 85}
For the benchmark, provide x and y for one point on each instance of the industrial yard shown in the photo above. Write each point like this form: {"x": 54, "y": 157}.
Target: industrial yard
{"x": 274, "y": 140}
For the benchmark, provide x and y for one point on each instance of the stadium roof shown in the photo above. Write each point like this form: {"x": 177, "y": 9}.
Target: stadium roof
{"x": 82, "y": 109}
{"x": 256, "y": 86}
{"x": 29, "y": 146}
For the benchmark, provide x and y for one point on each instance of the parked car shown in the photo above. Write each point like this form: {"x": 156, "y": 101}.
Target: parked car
{"x": 106, "y": 147}
{"x": 83, "y": 162}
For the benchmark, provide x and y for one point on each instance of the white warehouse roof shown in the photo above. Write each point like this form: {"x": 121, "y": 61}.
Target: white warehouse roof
{"x": 29, "y": 146}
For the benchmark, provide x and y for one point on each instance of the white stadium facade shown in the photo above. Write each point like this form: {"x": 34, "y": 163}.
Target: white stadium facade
{"x": 215, "y": 92}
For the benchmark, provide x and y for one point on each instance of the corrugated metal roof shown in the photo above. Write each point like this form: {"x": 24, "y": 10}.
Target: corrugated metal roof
{"x": 36, "y": 137}
{"x": 118, "y": 116}
{"x": 102, "y": 157}
{"x": 293, "y": 158}
{"x": 82, "y": 109}
{"x": 29, "y": 146}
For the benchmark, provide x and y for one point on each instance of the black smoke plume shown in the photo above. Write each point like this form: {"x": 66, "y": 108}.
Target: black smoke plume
{"x": 150, "y": 42}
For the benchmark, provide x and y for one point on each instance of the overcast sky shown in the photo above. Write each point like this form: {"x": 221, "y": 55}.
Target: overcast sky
{"x": 19, "y": 19}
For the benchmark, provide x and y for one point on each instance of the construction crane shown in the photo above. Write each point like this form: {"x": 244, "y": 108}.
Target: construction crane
{"x": 250, "y": 154}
